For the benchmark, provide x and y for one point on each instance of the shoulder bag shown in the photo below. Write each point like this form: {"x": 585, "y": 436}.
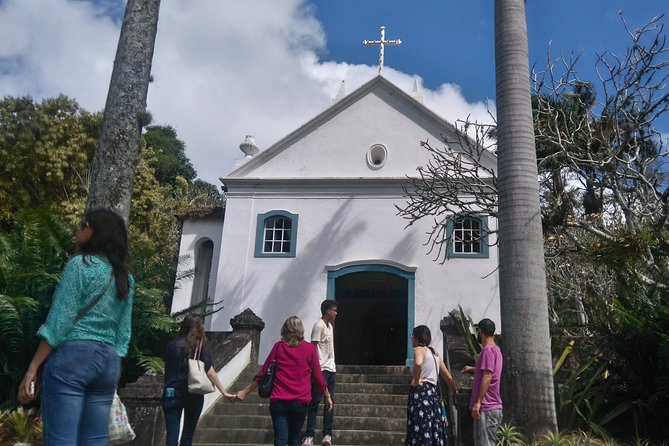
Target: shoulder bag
{"x": 444, "y": 415}
{"x": 198, "y": 381}
{"x": 266, "y": 382}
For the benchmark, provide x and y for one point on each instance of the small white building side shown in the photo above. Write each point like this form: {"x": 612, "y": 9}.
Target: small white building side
{"x": 336, "y": 181}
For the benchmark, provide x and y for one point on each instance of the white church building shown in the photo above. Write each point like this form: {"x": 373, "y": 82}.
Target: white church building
{"x": 313, "y": 217}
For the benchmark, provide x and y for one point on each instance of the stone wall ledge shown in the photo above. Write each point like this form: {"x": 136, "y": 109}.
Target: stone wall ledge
{"x": 143, "y": 398}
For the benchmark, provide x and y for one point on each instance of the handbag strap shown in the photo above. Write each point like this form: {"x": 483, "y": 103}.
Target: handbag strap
{"x": 92, "y": 303}
{"x": 436, "y": 367}
{"x": 274, "y": 351}
{"x": 198, "y": 350}
{"x": 272, "y": 354}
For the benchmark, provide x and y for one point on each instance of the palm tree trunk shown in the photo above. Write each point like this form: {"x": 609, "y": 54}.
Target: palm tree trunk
{"x": 529, "y": 400}
{"x": 125, "y": 112}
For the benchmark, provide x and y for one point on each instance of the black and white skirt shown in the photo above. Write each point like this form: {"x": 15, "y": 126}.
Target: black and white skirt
{"x": 425, "y": 427}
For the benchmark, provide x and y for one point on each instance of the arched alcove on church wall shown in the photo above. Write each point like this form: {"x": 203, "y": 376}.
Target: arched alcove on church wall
{"x": 194, "y": 233}
{"x": 204, "y": 252}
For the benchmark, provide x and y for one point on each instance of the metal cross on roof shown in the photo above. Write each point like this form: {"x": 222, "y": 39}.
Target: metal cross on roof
{"x": 382, "y": 43}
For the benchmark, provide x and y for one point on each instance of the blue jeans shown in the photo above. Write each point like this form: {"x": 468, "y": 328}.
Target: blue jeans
{"x": 287, "y": 420}
{"x": 191, "y": 406}
{"x": 78, "y": 385}
{"x": 316, "y": 397}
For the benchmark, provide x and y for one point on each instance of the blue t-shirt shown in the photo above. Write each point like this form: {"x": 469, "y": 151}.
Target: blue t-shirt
{"x": 176, "y": 367}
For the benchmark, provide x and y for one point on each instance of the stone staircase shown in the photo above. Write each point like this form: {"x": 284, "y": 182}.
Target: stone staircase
{"x": 370, "y": 409}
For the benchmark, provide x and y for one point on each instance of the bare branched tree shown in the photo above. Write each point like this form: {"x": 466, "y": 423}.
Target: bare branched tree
{"x": 602, "y": 160}
{"x": 572, "y": 282}
{"x": 459, "y": 180}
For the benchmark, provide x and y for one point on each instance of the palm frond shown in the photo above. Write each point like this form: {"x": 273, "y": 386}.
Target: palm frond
{"x": 151, "y": 364}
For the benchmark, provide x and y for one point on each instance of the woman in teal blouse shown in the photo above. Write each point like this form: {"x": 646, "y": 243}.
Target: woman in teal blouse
{"x": 85, "y": 335}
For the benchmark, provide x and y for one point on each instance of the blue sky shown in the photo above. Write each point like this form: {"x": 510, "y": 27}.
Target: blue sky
{"x": 453, "y": 41}
{"x": 224, "y": 69}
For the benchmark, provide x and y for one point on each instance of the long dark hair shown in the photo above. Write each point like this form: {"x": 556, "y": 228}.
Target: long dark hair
{"x": 423, "y": 336}
{"x": 192, "y": 328}
{"x": 109, "y": 239}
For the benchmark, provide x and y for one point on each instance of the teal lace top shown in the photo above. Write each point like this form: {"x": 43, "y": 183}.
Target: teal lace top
{"x": 108, "y": 321}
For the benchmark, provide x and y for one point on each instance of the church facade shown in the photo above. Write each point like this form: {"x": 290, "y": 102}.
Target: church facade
{"x": 313, "y": 217}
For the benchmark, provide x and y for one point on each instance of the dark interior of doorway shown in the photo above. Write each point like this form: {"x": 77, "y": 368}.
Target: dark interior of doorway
{"x": 371, "y": 327}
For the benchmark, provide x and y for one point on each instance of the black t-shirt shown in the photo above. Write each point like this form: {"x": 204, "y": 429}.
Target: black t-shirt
{"x": 176, "y": 368}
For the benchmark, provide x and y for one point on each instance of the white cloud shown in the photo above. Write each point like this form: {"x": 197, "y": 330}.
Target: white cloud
{"x": 48, "y": 47}
{"x": 222, "y": 69}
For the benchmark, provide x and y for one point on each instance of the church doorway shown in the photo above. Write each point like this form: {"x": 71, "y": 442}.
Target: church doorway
{"x": 375, "y": 314}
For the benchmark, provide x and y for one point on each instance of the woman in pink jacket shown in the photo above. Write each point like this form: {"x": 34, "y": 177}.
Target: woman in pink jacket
{"x": 296, "y": 364}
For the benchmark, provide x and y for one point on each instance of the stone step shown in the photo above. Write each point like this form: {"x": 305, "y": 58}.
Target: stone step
{"x": 317, "y": 443}
{"x": 342, "y": 378}
{"x": 380, "y": 399}
{"x": 234, "y": 421}
{"x": 372, "y": 389}
{"x": 359, "y": 410}
{"x": 354, "y": 369}
{"x": 373, "y": 369}
{"x": 372, "y": 378}
{"x": 262, "y": 436}
{"x": 370, "y": 409}
{"x": 392, "y": 399}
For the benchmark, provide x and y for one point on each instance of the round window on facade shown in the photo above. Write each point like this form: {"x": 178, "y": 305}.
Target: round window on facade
{"x": 377, "y": 156}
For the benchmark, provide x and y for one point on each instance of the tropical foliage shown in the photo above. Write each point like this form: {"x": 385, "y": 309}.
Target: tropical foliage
{"x": 45, "y": 152}
{"x": 509, "y": 435}
{"x": 615, "y": 377}
{"x": 32, "y": 256}
{"x": 38, "y": 216}
{"x": 170, "y": 161}
{"x": 20, "y": 426}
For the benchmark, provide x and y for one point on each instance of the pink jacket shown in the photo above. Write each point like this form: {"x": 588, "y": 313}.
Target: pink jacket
{"x": 295, "y": 368}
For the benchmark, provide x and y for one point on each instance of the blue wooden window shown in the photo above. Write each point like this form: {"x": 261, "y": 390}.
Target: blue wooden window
{"x": 469, "y": 236}
{"x": 276, "y": 234}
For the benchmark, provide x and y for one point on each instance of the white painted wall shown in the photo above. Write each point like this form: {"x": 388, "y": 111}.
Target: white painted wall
{"x": 337, "y": 227}
{"x": 228, "y": 374}
{"x": 194, "y": 232}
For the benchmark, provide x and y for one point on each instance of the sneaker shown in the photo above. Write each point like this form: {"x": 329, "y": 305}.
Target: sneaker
{"x": 308, "y": 441}
{"x": 327, "y": 441}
